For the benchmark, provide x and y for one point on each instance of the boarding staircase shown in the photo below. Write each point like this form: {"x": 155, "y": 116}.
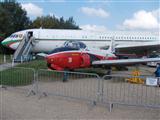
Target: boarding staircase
{"x": 23, "y": 52}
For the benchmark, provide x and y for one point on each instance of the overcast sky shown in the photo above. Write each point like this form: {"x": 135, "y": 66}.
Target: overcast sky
{"x": 100, "y": 15}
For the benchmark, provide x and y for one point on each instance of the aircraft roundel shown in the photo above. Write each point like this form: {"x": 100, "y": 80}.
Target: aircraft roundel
{"x": 69, "y": 60}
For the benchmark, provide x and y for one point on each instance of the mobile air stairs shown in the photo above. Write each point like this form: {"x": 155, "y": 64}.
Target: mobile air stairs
{"x": 23, "y": 52}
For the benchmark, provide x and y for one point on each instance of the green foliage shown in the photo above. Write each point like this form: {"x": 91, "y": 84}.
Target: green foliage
{"x": 12, "y": 17}
{"x": 1, "y": 47}
{"x": 53, "y": 22}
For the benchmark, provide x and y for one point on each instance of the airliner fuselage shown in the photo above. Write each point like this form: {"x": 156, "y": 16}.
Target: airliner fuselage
{"x": 48, "y": 39}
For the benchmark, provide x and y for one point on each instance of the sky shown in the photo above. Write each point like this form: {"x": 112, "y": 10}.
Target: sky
{"x": 100, "y": 15}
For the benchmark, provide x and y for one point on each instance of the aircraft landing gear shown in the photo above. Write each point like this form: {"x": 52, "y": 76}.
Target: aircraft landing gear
{"x": 108, "y": 73}
{"x": 49, "y": 66}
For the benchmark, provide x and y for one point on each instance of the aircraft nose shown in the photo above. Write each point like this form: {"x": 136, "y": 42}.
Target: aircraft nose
{"x": 50, "y": 59}
{"x": 5, "y": 42}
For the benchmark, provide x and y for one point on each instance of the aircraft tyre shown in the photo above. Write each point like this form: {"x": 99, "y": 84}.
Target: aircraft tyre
{"x": 108, "y": 73}
{"x": 49, "y": 66}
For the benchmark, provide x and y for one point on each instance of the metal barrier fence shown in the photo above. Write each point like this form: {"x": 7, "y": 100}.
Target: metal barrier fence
{"x": 18, "y": 77}
{"x": 5, "y": 58}
{"x": 69, "y": 84}
{"x": 112, "y": 89}
{"x": 116, "y": 89}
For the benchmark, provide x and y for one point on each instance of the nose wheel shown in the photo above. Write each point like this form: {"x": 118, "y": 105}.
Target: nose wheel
{"x": 49, "y": 66}
{"x": 108, "y": 74}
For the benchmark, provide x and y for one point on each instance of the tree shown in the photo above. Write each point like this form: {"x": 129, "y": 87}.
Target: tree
{"x": 45, "y": 22}
{"x": 70, "y": 24}
{"x": 1, "y": 38}
{"x": 53, "y": 22}
{"x": 12, "y": 18}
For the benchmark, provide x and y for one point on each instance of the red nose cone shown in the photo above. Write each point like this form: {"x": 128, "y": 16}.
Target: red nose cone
{"x": 49, "y": 59}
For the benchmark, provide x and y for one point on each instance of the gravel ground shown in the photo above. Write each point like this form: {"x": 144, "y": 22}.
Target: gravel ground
{"x": 16, "y": 106}
{"x": 114, "y": 90}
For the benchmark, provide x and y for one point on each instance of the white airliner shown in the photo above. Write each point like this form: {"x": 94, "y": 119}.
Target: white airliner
{"x": 48, "y": 39}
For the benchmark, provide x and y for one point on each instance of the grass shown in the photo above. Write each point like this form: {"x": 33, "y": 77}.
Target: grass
{"x": 22, "y": 76}
{"x": 41, "y": 64}
{"x": 36, "y": 64}
{"x": 16, "y": 77}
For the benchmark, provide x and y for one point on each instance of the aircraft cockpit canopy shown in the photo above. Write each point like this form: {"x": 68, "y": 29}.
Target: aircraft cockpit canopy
{"x": 69, "y": 46}
{"x": 62, "y": 49}
{"x": 75, "y": 44}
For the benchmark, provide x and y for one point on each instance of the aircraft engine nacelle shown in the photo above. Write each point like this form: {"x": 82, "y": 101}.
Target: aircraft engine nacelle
{"x": 68, "y": 61}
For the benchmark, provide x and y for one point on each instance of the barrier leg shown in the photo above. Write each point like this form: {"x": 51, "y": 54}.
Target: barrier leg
{"x": 3, "y": 87}
{"x": 110, "y": 107}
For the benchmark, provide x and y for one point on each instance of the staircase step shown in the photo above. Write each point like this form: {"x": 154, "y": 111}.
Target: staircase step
{"x": 23, "y": 51}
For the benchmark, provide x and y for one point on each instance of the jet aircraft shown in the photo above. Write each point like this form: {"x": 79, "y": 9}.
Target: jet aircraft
{"x": 126, "y": 41}
{"x": 73, "y": 55}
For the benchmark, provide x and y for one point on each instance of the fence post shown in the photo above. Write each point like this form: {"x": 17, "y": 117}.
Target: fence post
{"x": 110, "y": 107}
{"x": 34, "y": 89}
{"x": 65, "y": 76}
{"x": 4, "y": 58}
{"x": 11, "y": 56}
{"x": 102, "y": 87}
{"x": 21, "y": 59}
{"x": 13, "y": 62}
{"x": 99, "y": 93}
{"x": 36, "y": 81}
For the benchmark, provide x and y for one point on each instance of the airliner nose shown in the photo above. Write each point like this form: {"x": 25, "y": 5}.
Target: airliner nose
{"x": 7, "y": 42}
{"x": 4, "y": 42}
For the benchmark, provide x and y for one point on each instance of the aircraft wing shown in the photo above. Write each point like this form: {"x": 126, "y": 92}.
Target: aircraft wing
{"x": 125, "y": 61}
{"x": 149, "y": 46}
